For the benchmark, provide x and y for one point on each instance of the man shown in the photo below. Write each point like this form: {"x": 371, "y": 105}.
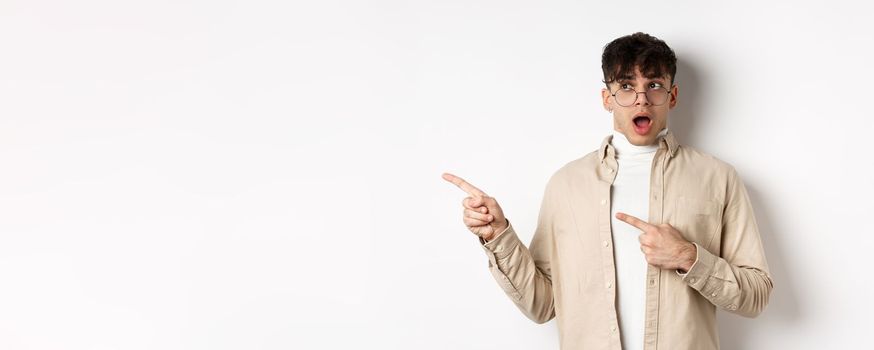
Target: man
{"x": 639, "y": 242}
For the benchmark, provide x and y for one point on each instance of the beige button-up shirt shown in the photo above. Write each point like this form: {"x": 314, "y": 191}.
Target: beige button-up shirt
{"x": 568, "y": 272}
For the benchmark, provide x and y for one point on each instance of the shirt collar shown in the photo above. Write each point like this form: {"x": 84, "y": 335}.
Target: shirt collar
{"x": 669, "y": 141}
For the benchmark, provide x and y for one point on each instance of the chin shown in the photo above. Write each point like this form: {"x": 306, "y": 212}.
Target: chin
{"x": 641, "y": 140}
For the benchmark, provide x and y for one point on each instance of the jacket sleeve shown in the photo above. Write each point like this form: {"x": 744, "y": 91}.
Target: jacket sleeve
{"x": 523, "y": 274}
{"x": 737, "y": 280}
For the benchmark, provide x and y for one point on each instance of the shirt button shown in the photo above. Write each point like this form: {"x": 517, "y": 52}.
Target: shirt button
{"x": 652, "y": 282}
{"x": 606, "y": 243}
{"x": 692, "y": 280}
{"x": 610, "y": 170}
{"x": 609, "y": 284}
{"x": 613, "y": 329}
{"x": 603, "y": 201}
{"x": 713, "y": 294}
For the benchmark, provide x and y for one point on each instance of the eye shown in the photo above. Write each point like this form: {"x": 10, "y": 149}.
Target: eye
{"x": 655, "y": 85}
{"x": 625, "y": 86}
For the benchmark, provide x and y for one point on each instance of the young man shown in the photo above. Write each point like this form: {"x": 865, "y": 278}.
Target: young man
{"x": 639, "y": 242}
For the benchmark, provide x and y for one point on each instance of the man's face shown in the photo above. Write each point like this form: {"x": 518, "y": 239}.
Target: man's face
{"x": 641, "y": 121}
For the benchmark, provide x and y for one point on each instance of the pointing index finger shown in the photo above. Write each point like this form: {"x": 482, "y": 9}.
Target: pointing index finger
{"x": 464, "y": 185}
{"x": 633, "y": 221}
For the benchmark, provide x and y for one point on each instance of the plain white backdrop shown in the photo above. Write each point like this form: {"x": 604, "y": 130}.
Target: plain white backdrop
{"x": 266, "y": 174}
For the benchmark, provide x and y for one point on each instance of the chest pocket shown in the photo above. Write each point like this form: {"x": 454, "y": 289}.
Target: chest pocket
{"x": 698, "y": 219}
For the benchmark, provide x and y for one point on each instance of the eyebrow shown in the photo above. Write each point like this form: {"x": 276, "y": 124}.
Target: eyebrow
{"x": 626, "y": 79}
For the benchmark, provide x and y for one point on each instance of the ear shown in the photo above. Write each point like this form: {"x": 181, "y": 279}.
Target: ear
{"x": 674, "y": 91}
{"x": 605, "y": 99}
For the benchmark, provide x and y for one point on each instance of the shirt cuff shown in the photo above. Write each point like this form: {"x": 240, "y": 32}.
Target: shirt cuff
{"x": 701, "y": 270}
{"x": 503, "y": 244}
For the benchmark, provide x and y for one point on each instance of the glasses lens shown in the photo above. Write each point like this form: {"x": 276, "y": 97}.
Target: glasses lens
{"x": 625, "y": 97}
{"x": 657, "y": 96}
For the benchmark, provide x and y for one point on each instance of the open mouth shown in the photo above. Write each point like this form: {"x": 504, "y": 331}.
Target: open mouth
{"x": 642, "y": 121}
{"x": 642, "y": 124}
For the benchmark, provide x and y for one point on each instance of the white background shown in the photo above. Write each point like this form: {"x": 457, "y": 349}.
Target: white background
{"x": 266, "y": 174}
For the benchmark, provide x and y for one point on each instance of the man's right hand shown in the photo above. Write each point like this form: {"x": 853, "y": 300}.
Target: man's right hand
{"x": 482, "y": 214}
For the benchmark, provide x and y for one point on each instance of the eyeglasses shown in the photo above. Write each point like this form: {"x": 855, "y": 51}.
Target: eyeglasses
{"x": 656, "y": 96}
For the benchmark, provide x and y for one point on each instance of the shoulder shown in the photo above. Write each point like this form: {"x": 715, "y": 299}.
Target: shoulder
{"x": 580, "y": 169}
{"x": 695, "y": 168}
{"x": 699, "y": 160}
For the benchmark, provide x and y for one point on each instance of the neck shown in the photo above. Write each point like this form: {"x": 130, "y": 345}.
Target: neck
{"x": 624, "y": 147}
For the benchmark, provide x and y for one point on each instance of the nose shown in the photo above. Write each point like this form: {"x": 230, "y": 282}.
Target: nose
{"x": 641, "y": 99}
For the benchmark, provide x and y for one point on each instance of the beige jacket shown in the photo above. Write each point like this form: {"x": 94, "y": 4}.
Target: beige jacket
{"x": 569, "y": 273}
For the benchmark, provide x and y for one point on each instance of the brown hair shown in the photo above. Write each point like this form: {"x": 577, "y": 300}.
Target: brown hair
{"x": 654, "y": 58}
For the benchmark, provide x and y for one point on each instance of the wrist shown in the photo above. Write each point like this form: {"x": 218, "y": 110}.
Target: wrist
{"x": 688, "y": 257}
{"x": 497, "y": 230}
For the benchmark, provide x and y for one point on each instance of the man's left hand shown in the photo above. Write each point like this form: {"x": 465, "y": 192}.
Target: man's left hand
{"x": 663, "y": 245}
